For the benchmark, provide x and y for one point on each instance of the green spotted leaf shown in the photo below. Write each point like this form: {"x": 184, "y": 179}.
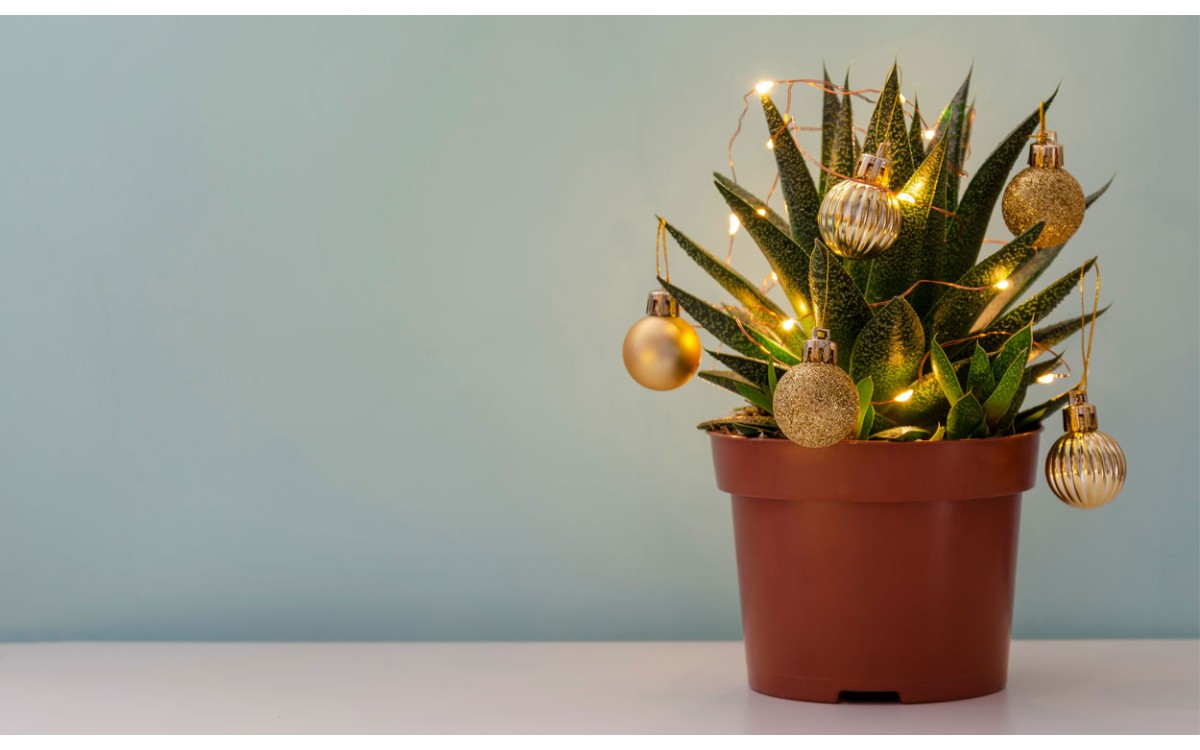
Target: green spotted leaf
{"x": 1005, "y": 425}
{"x": 737, "y": 285}
{"x": 916, "y": 134}
{"x": 902, "y": 434}
{"x": 979, "y": 376}
{"x": 908, "y": 261}
{"x": 788, "y": 260}
{"x": 1016, "y": 349}
{"x": 997, "y": 404}
{"x": 837, "y": 303}
{"x": 974, "y": 211}
{"x": 952, "y": 127}
{"x": 756, "y": 397}
{"x": 771, "y": 348}
{"x": 945, "y": 373}
{"x": 1024, "y": 277}
{"x": 759, "y": 204}
{"x": 755, "y": 371}
{"x": 845, "y": 143}
{"x": 965, "y": 418}
{"x": 866, "y": 412}
{"x": 1055, "y": 333}
{"x": 956, "y": 311}
{"x": 1030, "y": 418}
{"x": 831, "y": 107}
{"x": 888, "y": 126}
{"x": 928, "y": 402}
{"x": 728, "y": 380}
{"x": 716, "y": 321}
{"x": 1043, "y": 303}
{"x": 889, "y": 349}
{"x": 938, "y": 434}
{"x": 799, "y": 192}
{"x": 746, "y": 425}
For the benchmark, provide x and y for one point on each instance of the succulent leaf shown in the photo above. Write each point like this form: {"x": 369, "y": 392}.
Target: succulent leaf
{"x": 997, "y": 404}
{"x": 737, "y": 285}
{"x": 799, "y": 192}
{"x": 903, "y": 434}
{"x": 1043, "y": 303}
{"x": 889, "y": 349}
{"x": 956, "y": 311}
{"x": 837, "y": 303}
{"x": 1030, "y": 418}
{"x": 713, "y": 319}
{"x": 753, "y": 370}
{"x": 788, "y": 260}
{"x": 730, "y": 381}
{"x": 831, "y": 107}
{"x": 979, "y": 377}
{"x": 945, "y": 373}
{"x": 1016, "y": 349}
{"x": 866, "y": 412}
{"x": 1055, "y": 333}
{"x": 845, "y": 143}
{"x": 974, "y": 211}
{"x": 888, "y": 126}
{"x": 965, "y": 418}
{"x": 908, "y": 261}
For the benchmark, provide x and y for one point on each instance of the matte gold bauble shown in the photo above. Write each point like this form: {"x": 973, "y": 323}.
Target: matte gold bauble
{"x": 661, "y": 350}
{"x": 1085, "y": 467}
{"x": 1044, "y": 191}
{"x": 859, "y": 218}
{"x": 816, "y": 403}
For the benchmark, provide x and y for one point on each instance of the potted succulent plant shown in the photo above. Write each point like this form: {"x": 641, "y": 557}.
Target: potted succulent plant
{"x": 877, "y": 547}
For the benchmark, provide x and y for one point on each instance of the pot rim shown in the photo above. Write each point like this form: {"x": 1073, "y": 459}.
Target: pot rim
{"x": 853, "y": 442}
{"x": 877, "y": 471}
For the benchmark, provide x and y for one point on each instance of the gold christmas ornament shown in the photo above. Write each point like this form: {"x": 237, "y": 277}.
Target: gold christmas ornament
{"x": 816, "y": 403}
{"x": 1085, "y": 467}
{"x": 661, "y": 350}
{"x": 859, "y": 218}
{"x": 1044, "y": 191}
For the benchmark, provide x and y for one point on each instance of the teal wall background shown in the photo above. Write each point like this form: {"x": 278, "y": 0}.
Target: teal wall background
{"x": 309, "y": 329}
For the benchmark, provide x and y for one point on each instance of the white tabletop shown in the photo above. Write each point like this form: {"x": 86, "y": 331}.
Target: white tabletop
{"x": 1054, "y": 686}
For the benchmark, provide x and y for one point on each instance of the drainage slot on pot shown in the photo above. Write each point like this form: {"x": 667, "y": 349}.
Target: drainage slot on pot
{"x": 868, "y": 696}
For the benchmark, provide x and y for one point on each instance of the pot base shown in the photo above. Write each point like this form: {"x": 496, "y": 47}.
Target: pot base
{"x": 823, "y": 691}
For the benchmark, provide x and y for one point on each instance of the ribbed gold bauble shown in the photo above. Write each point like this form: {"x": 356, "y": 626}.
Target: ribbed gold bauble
{"x": 859, "y": 218}
{"x": 816, "y": 403}
{"x": 661, "y": 350}
{"x": 1085, "y": 467}
{"x": 1044, "y": 191}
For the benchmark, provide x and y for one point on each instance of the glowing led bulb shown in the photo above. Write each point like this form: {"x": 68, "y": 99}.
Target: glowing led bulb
{"x": 906, "y": 197}
{"x": 929, "y": 134}
{"x": 901, "y": 398}
{"x": 761, "y": 212}
{"x": 733, "y": 224}
{"x": 1046, "y": 379}
{"x": 763, "y": 87}
{"x": 1001, "y": 284}
{"x": 788, "y": 324}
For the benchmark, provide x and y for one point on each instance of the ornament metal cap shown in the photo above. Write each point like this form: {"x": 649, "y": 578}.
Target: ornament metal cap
{"x": 1047, "y": 152}
{"x": 874, "y": 169}
{"x": 661, "y": 303}
{"x": 1079, "y": 416}
{"x": 820, "y": 348}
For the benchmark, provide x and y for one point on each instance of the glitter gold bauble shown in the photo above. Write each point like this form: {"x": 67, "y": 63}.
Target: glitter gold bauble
{"x": 1044, "y": 191}
{"x": 816, "y": 403}
{"x": 661, "y": 350}
{"x": 859, "y": 218}
{"x": 1085, "y": 467}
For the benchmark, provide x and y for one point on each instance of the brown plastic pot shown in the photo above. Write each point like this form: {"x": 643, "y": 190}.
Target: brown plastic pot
{"x": 876, "y": 568}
